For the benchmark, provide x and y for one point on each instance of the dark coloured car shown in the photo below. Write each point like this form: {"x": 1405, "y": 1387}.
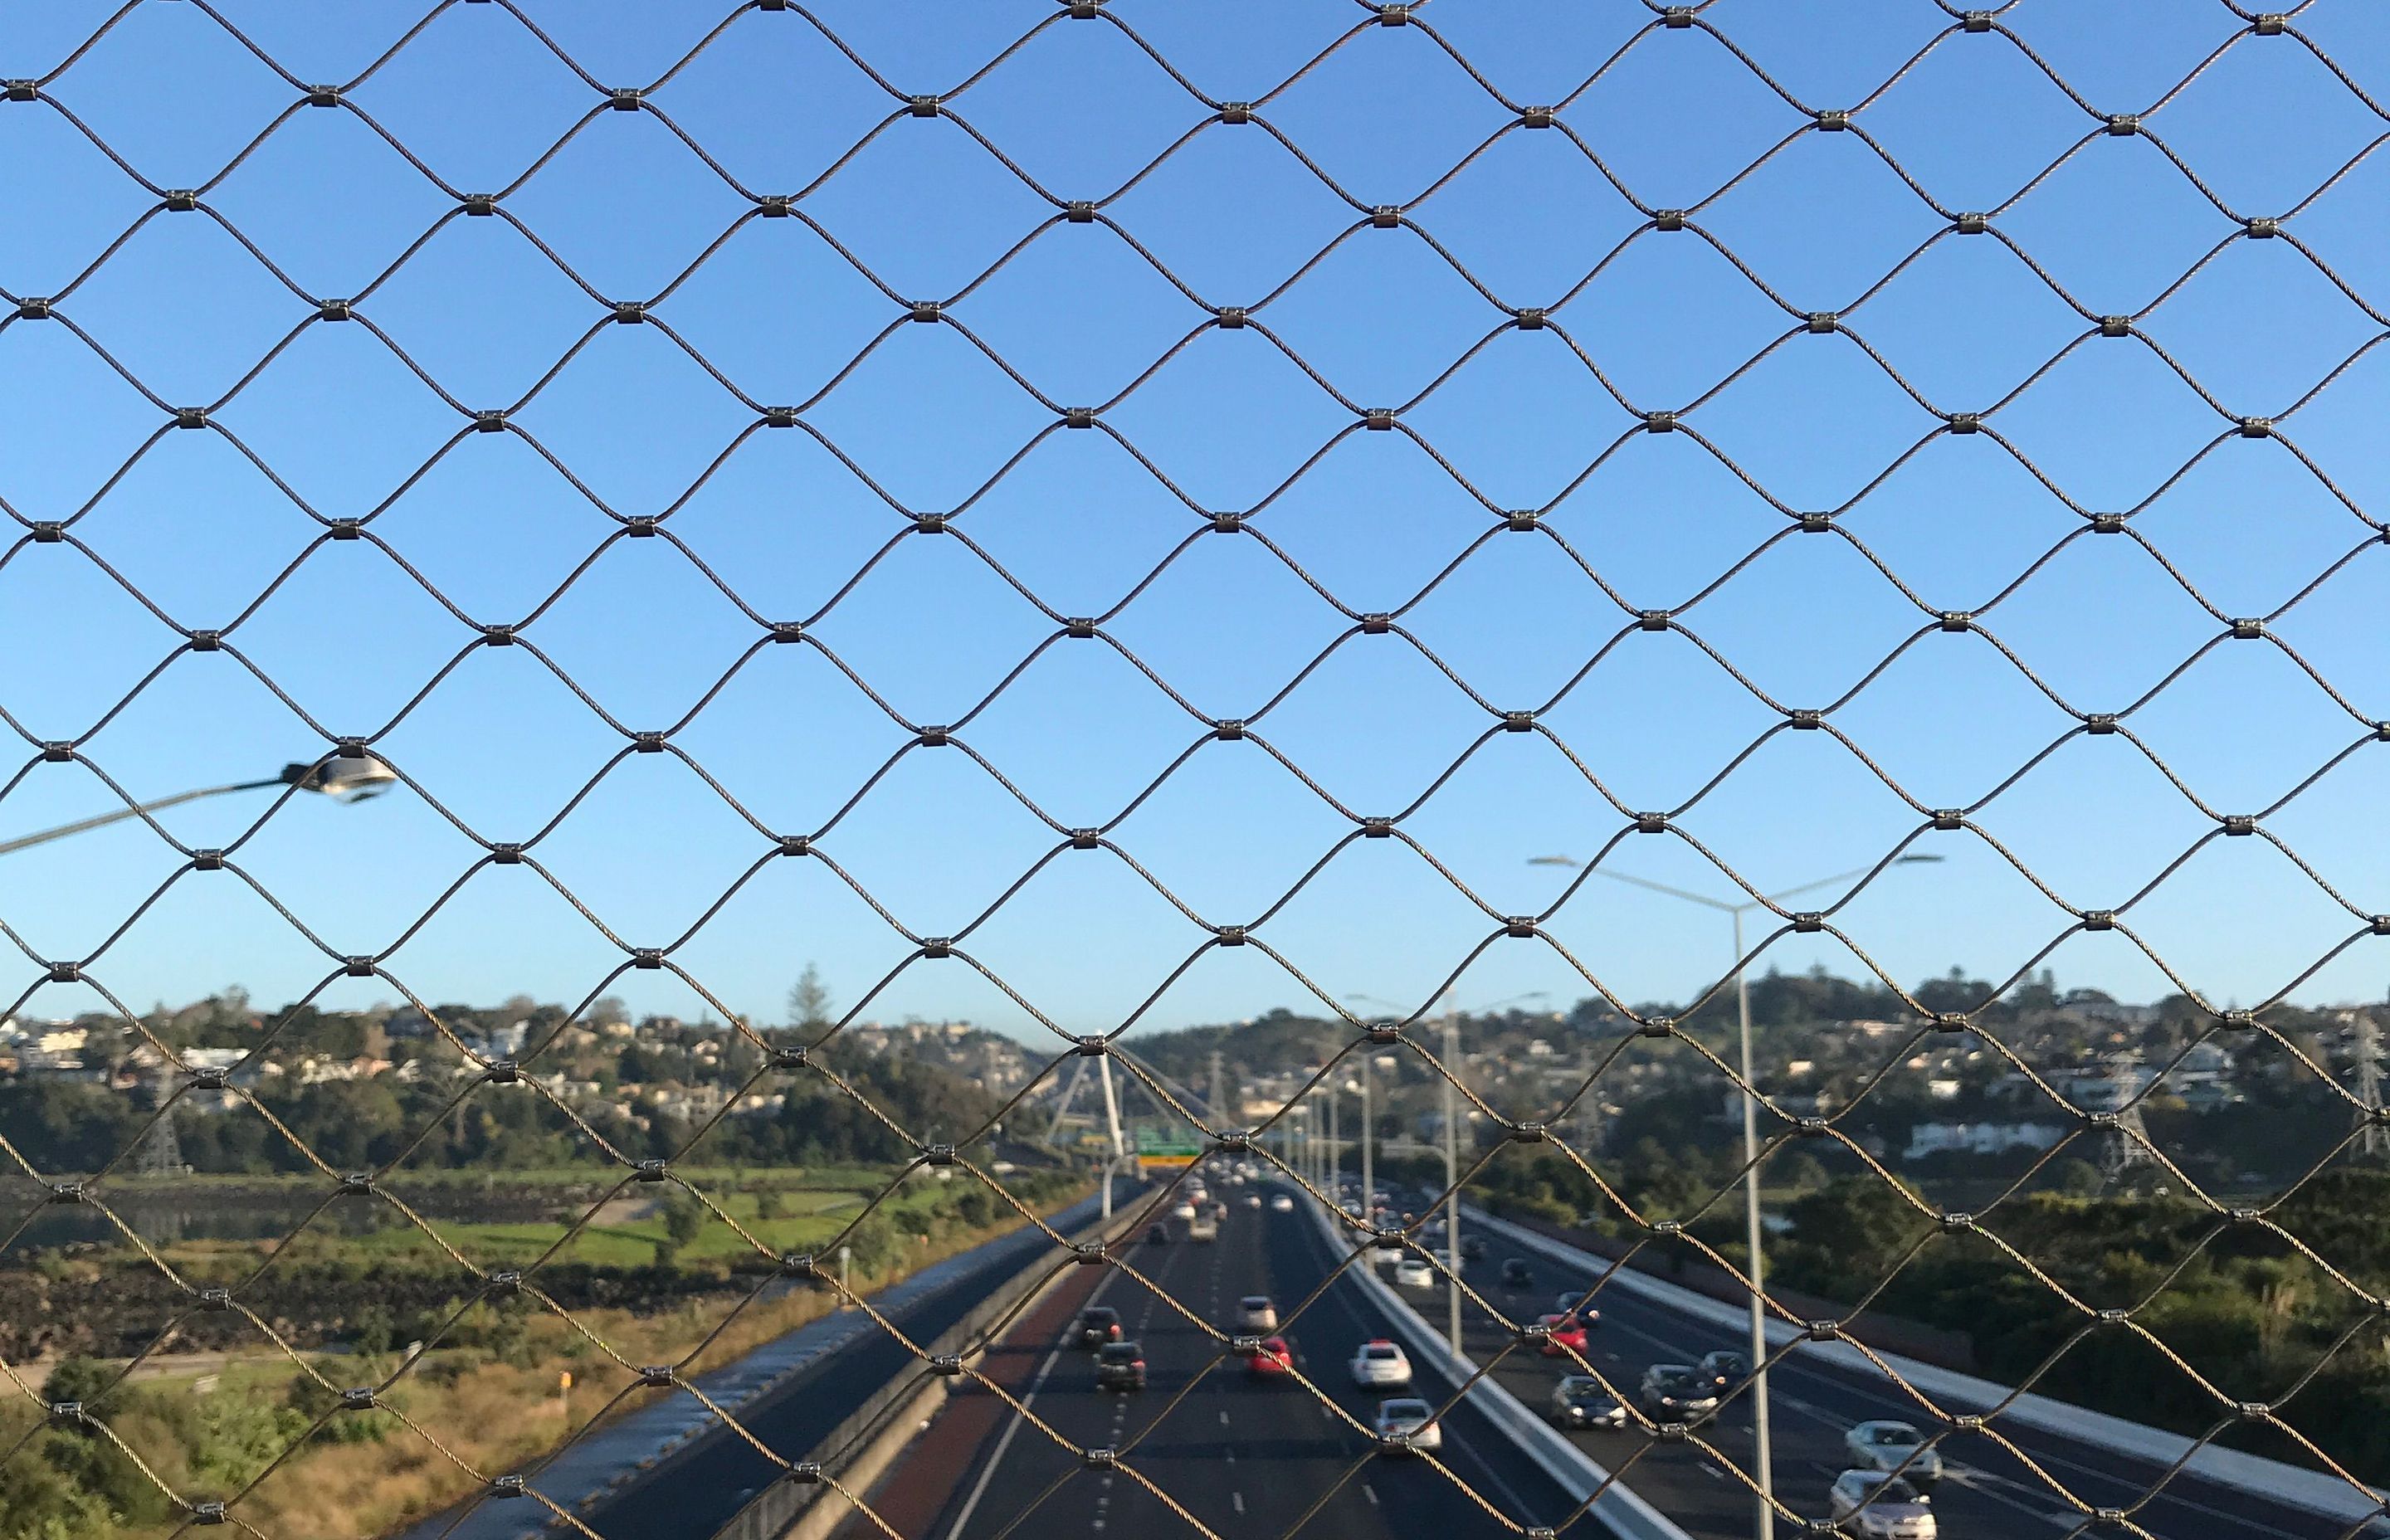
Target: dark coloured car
{"x": 1578, "y": 1400}
{"x": 1120, "y": 1366}
{"x": 1157, "y": 1235}
{"x": 1677, "y": 1392}
{"x": 1725, "y": 1370}
{"x": 1098, "y": 1324}
{"x": 1473, "y": 1248}
{"x": 1516, "y": 1274}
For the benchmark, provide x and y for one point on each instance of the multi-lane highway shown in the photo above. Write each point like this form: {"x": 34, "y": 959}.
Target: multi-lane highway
{"x": 1987, "y": 1492}
{"x": 1242, "y": 1456}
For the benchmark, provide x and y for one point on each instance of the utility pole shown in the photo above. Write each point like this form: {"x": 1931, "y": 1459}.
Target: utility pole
{"x": 1219, "y": 1108}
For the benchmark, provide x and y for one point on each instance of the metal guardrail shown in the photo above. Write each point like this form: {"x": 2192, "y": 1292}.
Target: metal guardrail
{"x": 1570, "y": 1467}
{"x": 2311, "y": 1490}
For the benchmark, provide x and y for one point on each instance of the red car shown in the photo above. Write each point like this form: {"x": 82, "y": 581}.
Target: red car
{"x": 1274, "y": 1360}
{"x": 1561, "y": 1333}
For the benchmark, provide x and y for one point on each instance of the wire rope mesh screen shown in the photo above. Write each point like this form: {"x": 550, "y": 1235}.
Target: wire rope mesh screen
{"x": 1102, "y": 516}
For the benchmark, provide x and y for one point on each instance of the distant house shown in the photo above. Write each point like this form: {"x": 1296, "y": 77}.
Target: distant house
{"x": 2105, "y": 1090}
{"x": 1979, "y": 1138}
{"x": 407, "y": 1021}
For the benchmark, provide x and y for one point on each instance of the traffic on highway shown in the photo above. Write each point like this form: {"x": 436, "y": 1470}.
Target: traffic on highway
{"x": 1231, "y": 1440}
{"x": 1847, "y": 1447}
{"x": 1192, "y": 1430}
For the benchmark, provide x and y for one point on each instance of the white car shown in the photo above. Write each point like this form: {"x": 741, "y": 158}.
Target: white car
{"x": 1282, "y": 1203}
{"x": 1252, "y": 1199}
{"x": 1255, "y": 1313}
{"x": 1184, "y": 1211}
{"x": 1414, "y": 1273}
{"x": 1876, "y": 1507}
{"x": 1381, "y": 1364}
{"x": 1889, "y": 1446}
{"x": 1408, "y": 1424}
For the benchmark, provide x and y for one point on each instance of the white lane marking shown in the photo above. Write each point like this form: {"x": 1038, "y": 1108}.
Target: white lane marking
{"x": 1223, "y": 1419}
{"x": 1369, "y": 1491}
{"x": 1239, "y": 1498}
{"x": 1964, "y": 1477}
{"x": 987, "y": 1472}
{"x": 1343, "y": 1296}
{"x": 1712, "y": 1472}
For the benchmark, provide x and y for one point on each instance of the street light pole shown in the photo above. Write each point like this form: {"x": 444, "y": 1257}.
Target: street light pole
{"x": 1762, "y": 1441}
{"x": 1763, "y": 1453}
{"x": 342, "y": 779}
{"x": 1368, "y": 1134}
{"x": 1452, "y": 1171}
{"x": 1335, "y": 1150}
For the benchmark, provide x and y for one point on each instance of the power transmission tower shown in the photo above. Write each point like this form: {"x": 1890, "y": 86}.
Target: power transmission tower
{"x": 2128, "y": 1145}
{"x": 2373, "y": 1140}
{"x": 161, "y": 1153}
{"x": 1588, "y": 1112}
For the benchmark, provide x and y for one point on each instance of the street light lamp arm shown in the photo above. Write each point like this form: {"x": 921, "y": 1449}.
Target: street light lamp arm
{"x": 1720, "y": 905}
{"x": 1793, "y": 893}
{"x": 102, "y": 820}
{"x": 1704, "y": 900}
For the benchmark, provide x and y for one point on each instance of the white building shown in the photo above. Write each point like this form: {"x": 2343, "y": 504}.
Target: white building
{"x": 1979, "y": 1138}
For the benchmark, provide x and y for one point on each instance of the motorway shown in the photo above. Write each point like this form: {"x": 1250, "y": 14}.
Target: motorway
{"x": 791, "y": 1393}
{"x": 1986, "y": 1490}
{"x": 1245, "y": 1458}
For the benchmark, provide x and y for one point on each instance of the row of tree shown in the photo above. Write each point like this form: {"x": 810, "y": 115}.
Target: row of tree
{"x": 76, "y": 1126}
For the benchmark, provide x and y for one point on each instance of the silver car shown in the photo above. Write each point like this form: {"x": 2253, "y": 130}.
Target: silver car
{"x": 1876, "y": 1507}
{"x": 1888, "y": 1447}
{"x": 1255, "y": 1313}
{"x": 1408, "y": 1424}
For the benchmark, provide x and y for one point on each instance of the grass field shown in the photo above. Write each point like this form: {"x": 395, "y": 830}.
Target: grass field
{"x": 489, "y": 1392}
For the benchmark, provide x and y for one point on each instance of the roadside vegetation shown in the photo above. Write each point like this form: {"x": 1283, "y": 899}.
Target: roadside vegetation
{"x": 210, "y": 1413}
{"x": 2253, "y": 1314}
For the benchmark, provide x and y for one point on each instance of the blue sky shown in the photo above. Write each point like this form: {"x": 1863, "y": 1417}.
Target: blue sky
{"x": 1082, "y": 519}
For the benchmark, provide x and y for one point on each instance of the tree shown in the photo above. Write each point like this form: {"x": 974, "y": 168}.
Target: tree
{"x": 2076, "y": 1178}
{"x": 809, "y": 1000}
{"x": 684, "y": 1220}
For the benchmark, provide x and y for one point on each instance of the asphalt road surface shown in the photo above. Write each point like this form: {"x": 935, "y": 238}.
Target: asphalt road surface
{"x": 700, "y": 1490}
{"x": 1984, "y": 1492}
{"x": 1244, "y": 1457}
